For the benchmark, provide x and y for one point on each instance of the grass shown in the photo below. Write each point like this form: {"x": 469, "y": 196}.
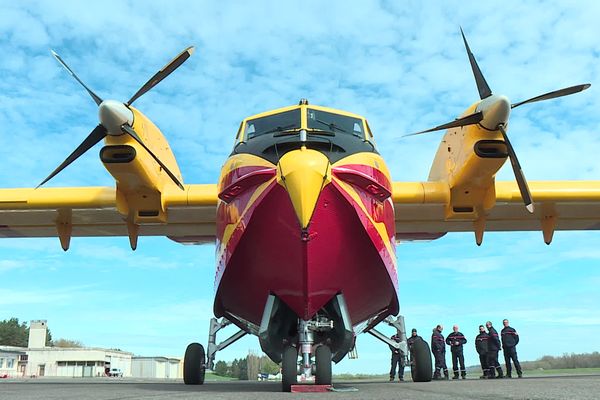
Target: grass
{"x": 527, "y": 372}
{"x": 353, "y": 377}
{"x": 564, "y": 371}
{"x": 210, "y": 377}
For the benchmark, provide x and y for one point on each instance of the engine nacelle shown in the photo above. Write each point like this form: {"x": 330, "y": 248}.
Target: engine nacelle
{"x": 468, "y": 159}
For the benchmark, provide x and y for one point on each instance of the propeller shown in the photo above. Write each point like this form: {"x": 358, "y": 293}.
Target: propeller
{"x": 471, "y": 119}
{"x": 116, "y": 118}
{"x": 492, "y": 113}
{"x": 163, "y": 73}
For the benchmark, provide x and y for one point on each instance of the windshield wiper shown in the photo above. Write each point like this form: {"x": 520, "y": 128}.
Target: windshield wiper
{"x": 331, "y": 126}
{"x": 321, "y": 132}
{"x": 286, "y": 132}
{"x": 279, "y": 129}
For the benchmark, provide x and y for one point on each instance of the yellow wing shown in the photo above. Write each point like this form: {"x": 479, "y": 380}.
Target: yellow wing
{"x": 425, "y": 210}
{"x": 93, "y": 211}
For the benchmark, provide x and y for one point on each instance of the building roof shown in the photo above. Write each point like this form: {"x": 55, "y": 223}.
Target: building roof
{"x": 13, "y": 349}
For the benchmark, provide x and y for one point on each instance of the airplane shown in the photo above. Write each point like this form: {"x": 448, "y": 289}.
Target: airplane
{"x": 305, "y": 216}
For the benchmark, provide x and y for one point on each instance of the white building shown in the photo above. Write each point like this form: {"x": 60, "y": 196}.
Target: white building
{"x": 155, "y": 367}
{"x": 70, "y": 362}
{"x": 12, "y": 361}
{"x": 76, "y": 362}
{"x": 39, "y": 360}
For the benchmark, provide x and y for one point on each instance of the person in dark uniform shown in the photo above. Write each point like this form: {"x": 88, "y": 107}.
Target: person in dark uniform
{"x": 481, "y": 345}
{"x": 397, "y": 359}
{"x": 456, "y": 340}
{"x": 510, "y": 339}
{"x": 438, "y": 348}
{"x": 413, "y": 338}
{"x": 493, "y": 348}
{"x": 410, "y": 341}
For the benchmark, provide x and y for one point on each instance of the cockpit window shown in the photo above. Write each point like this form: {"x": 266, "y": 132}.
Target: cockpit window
{"x": 284, "y": 121}
{"x": 335, "y": 123}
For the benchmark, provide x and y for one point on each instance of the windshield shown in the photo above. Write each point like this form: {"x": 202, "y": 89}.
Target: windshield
{"x": 335, "y": 123}
{"x": 284, "y": 121}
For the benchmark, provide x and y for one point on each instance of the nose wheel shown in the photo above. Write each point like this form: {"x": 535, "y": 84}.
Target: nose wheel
{"x": 323, "y": 367}
{"x": 289, "y": 368}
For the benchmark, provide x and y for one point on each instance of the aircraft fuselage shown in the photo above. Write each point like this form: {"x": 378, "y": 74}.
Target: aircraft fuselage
{"x": 305, "y": 214}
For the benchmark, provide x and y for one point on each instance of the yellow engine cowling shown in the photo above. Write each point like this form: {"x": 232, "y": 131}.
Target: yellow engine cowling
{"x": 140, "y": 179}
{"x": 468, "y": 159}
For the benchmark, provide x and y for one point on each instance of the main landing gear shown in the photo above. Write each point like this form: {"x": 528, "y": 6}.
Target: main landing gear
{"x": 420, "y": 356}
{"x": 196, "y": 361}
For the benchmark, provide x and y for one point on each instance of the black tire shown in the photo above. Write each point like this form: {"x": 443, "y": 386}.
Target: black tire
{"x": 420, "y": 366}
{"x": 323, "y": 361}
{"x": 194, "y": 365}
{"x": 289, "y": 368}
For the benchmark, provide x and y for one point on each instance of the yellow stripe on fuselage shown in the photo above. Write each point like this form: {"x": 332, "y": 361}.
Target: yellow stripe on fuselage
{"x": 376, "y": 161}
{"x": 232, "y": 163}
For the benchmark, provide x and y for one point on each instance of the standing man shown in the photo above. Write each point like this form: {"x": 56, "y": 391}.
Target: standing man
{"x": 438, "y": 348}
{"x": 397, "y": 359}
{"x": 456, "y": 340}
{"x": 493, "y": 348}
{"x": 481, "y": 345}
{"x": 410, "y": 341}
{"x": 413, "y": 338}
{"x": 510, "y": 339}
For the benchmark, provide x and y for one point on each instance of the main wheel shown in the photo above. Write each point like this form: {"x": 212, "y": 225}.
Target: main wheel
{"x": 420, "y": 366}
{"x": 289, "y": 368}
{"x": 323, "y": 361}
{"x": 194, "y": 366}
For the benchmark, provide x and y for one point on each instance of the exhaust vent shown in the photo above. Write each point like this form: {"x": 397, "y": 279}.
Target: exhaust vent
{"x": 462, "y": 209}
{"x": 119, "y": 154}
{"x": 491, "y": 149}
{"x": 148, "y": 213}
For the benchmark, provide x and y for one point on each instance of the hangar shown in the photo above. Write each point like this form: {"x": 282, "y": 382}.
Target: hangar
{"x": 155, "y": 367}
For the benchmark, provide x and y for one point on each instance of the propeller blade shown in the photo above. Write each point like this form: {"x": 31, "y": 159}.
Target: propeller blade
{"x": 94, "y": 137}
{"x": 129, "y": 130}
{"x": 516, "y": 166}
{"x": 482, "y": 86}
{"x": 553, "y": 95}
{"x": 163, "y": 73}
{"x": 97, "y": 99}
{"x": 464, "y": 121}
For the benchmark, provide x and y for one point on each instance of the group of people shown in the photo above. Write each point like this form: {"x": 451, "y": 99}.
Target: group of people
{"x": 487, "y": 343}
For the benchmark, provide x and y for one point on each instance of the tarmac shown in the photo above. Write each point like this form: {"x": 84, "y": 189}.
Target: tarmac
{"x": 557, "y": 387}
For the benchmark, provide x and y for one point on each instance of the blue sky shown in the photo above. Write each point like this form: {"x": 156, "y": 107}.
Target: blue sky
{"x": 400, "y": 64}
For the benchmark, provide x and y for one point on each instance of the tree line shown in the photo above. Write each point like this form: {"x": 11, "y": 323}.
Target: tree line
{"x": 14, "y": 333}
{"x": 566, "y": 361}
{"x": 247, "y": 368}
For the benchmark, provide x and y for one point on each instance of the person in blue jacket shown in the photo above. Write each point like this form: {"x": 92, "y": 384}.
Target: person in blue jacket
{"x": 493, "y": 349}
{"x": 438, "y": 348}
{"x": 456, "y": 340}
{"x": 510, "y": 339}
